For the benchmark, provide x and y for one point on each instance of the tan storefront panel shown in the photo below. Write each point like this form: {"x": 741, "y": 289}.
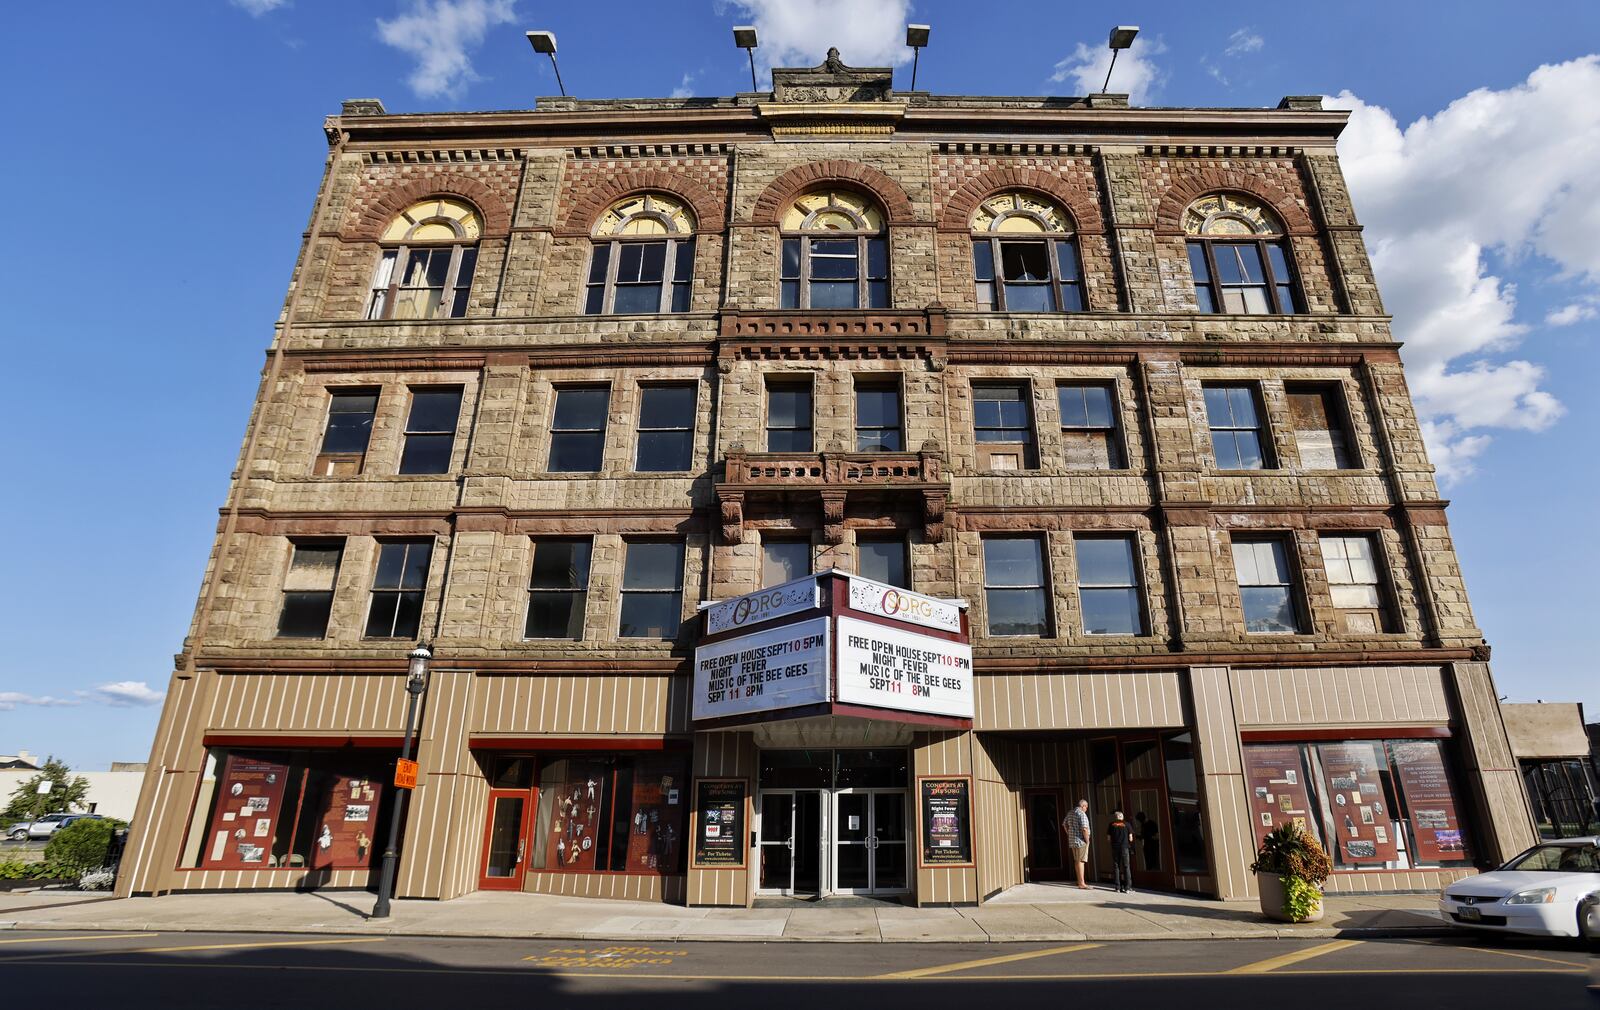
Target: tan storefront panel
{"x": 1359, "y": 695}
{"x": 933, "y": 754}
{"x": 721, "y": 756}
{"x": 624, "y": 886}
{"x": 634, "y": 705}
{"x": 444, "y": 827}
{"x": 1230, "y": 837}
{"x": 1128, "y": 700}
{"x": 996, "y": 823}
{"x": 325, "y": 703}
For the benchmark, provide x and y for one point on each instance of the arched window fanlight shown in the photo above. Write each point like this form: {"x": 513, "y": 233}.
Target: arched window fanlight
{"x": 426, "y": 267}
{"x": 1025, "y": 255}
{"x": 835, "y": 252}
{"x": 1239, "y": 256}
{"x": 643, "y": 257}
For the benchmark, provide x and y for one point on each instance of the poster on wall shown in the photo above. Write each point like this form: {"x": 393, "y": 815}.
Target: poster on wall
{"x": 890, "y": 668}
{"x": 1354, "y": 794}
{"x": 249, "y": 794}
{"x": 655, "y": 830}
{"x": 1431, "y": 802}
{"x": 346, "y": 824}
{"x": 1275, "y": 780}
{"x": 778, "y": 668}
{"x": 946, "y": 821}
{"x": 719, "y": 820}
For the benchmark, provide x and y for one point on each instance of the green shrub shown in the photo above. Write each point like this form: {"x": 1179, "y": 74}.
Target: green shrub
{"x": 79, "y": 847}
{"x": 17, "y": 869}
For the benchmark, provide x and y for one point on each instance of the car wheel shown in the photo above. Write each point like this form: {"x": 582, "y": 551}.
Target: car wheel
{"x": 20, "y": 835}
{"x": 1589, "y": 921}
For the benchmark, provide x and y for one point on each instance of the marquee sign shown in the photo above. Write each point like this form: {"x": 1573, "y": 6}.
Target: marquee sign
{"x": 776, "y": 668}
{"x": 889, "y": 668}
{"x": 767, "y": 605}
{"x": 903, "y": 605}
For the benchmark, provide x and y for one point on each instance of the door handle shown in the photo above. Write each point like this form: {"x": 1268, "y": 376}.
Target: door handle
{"x": 788, "y": 843}
{"x": 520, "y": 844}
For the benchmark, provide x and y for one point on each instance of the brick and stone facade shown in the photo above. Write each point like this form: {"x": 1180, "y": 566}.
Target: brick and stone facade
{"x": 539, "y": 180}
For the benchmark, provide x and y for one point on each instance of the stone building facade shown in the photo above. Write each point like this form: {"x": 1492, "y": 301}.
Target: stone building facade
{"x": 1118, "y": 378}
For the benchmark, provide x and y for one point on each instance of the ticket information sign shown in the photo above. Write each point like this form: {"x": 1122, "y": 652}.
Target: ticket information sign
{"x": 719, "y": 816}
{"x": 903, "y": 605}
{"x": 765, "y": 670}
{"x": 890, "y": 668}
{"x": 946, "y": 822}
{"x": 760, "y": 607}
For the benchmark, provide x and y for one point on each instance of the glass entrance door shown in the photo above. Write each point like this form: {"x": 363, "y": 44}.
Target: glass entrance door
{"x": 1146, "y": 807}
{"x": 789, "y": 840}
{"x": 505, "y": 840}
{"x": 869, "y": 841}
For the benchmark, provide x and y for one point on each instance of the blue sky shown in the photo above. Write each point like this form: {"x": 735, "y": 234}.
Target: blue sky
{"x": 162, "y": 160}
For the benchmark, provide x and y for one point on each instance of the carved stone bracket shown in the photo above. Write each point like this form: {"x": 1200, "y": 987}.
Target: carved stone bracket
{"x": 833, "y": 516}
{"x": 933, "y": 505}
{"x": 731, "y": 505}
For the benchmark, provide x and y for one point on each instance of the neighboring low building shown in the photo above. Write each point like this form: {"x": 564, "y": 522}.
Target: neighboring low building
{"x": 113, "y": 793}
{"x": 1553, "y": 748}
{"x": 21, "y": 759}
{"x": 1112, "y": 389}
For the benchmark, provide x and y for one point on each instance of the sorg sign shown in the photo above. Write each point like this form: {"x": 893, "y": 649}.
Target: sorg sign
{"x": 904, "y": 605}
{"x": 758, "y": 608}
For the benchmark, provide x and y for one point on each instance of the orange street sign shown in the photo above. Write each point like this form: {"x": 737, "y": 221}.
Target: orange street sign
{"x": 405, "y": 774}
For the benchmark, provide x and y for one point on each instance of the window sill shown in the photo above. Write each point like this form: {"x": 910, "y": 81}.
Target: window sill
{"x": 1264, "y": 471}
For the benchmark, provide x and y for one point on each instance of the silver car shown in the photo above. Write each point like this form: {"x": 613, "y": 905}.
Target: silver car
{"x": 44, "y": 827}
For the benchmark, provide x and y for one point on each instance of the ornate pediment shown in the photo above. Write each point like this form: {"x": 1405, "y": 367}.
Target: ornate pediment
{"x": 832, "y": 82}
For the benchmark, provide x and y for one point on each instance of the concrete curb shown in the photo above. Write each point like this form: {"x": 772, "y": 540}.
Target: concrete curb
{"x": 1265, "y": 933}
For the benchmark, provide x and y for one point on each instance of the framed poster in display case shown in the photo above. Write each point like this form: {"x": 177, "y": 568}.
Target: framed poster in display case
{"x": 249, "y": 795}
{"x": 946, "y": 817}
{"x": 1355, "y": 798}
{"x": 719, "y": 823}
{"x": 347, "y": 823}
{"x": 1275, "y": 779}
{"x": 1430, "y": 801}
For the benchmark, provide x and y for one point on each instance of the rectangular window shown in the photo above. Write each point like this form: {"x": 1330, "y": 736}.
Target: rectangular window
{"x": 1320, "y": 433}
{"x": 1003, "y": 426}
{"x": 789, "y": 274}
{"x": 641, "y": 268}
{"x": 289, "y": 809}
{"x": 882, "y": 558}
{"x": 1355, "y": 583}
{"x": 1375, "y": 804}
{"x": 783, "y": 559}
{"x": 789, "y": 414}
{"x": 308, "y": 589}
{"x": 666, "y": 428}
{"x": 1108, "y": 585}
{"x": 558, "y": 592}
{"x": 1266, "y": 587}
{"x": 431, "y": 430}
{"x": 435, "y": 283}
{"x": 1242, "y": 277}
{"x": 642, "y": 277}
{"x": 652, "y": 589}
{"x": 1035, "y": 275}
{"x": 348, "y": 431}
{"x": 601, "y": 812}
{"x": 1237, "y": 437}
{"x": 878, "y": 416}
{"x": 1014, "y": 585}
{"x": 1089, "y": 426}
{"x": 578, "y": 430}
{"x": 398, "y": 588}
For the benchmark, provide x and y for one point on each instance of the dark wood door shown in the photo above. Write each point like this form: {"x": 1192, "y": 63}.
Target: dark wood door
{"x": 1047, "y": 842}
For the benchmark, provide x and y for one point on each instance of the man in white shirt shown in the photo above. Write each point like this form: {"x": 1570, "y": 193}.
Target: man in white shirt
{"x": 1076, "y": 825}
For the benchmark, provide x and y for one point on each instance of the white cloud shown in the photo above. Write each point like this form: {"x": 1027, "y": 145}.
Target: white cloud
{"x": 1136, "y": 72}
{"x": 127, "y": 693}
{"x": 1576, "y": 312}
{"x": 258, "y": 8}
{"x": 684, "y": 90}
{"x": 1509, "y": 172}
{"x": 9, "y": 700}
{"x": 440, "y": 35}
{"x": 798, "y": 33}
{"x": 1243, "y": 41}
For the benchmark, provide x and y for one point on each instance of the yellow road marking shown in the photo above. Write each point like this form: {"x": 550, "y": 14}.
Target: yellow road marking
{"x": 985, "y": 962}
{"x": 1507, "y": 953}
{"x": 241, "y": 946}
{"x": 65, "y": 939}
{"x": 1293, "y": 957}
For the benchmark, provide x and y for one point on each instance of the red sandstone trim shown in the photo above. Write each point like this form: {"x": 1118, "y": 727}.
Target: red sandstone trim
{"x": 1186, "y": 190}
{"x": 708, "y": 212}
{"x": 1080, "y": 203}
{"x": 496, "y": 215}
{"x": 777, "y": 196}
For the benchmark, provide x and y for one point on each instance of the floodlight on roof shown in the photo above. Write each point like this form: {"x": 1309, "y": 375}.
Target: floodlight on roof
{"x": 916, "y": 38}
{"x": 545, "y": 42}
{"x": 1121, "y": 38}
{"x": 744, "y": 36}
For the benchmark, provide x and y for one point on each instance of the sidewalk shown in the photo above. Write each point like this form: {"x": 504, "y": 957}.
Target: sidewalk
{"x": 1033, "y": 912}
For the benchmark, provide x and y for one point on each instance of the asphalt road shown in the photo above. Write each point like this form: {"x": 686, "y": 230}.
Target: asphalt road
{"x": 238, "y": 970}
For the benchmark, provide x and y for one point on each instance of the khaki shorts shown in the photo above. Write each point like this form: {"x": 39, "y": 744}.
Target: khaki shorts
{"x": 1080, "y": 853}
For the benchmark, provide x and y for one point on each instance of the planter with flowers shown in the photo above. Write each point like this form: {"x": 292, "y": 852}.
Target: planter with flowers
{"x": 1290, "y": 869}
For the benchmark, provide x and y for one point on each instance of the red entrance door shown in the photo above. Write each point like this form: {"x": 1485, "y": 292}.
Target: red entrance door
{"x": 505, "y": 839}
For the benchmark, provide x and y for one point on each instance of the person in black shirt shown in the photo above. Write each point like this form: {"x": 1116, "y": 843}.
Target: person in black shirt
{"x": 1121, "y": 838}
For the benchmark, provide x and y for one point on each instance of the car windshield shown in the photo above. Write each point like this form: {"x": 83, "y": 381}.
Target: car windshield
{"x": 1558, "y": 859}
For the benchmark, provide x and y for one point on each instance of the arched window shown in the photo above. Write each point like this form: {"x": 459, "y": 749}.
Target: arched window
{"x": 643, "y": 257}
{"x": 835, "y": 253}
{"x": 425, "y": 272}
{"x": 1239, "y": 257}
{"x": 1025, "y": 256}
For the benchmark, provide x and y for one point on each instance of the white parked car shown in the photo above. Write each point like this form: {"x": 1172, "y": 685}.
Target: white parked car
{"x": 1553, "y": 889}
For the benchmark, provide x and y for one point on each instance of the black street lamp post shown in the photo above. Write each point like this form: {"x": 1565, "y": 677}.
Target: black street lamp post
{"x": 416, "y": 686}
